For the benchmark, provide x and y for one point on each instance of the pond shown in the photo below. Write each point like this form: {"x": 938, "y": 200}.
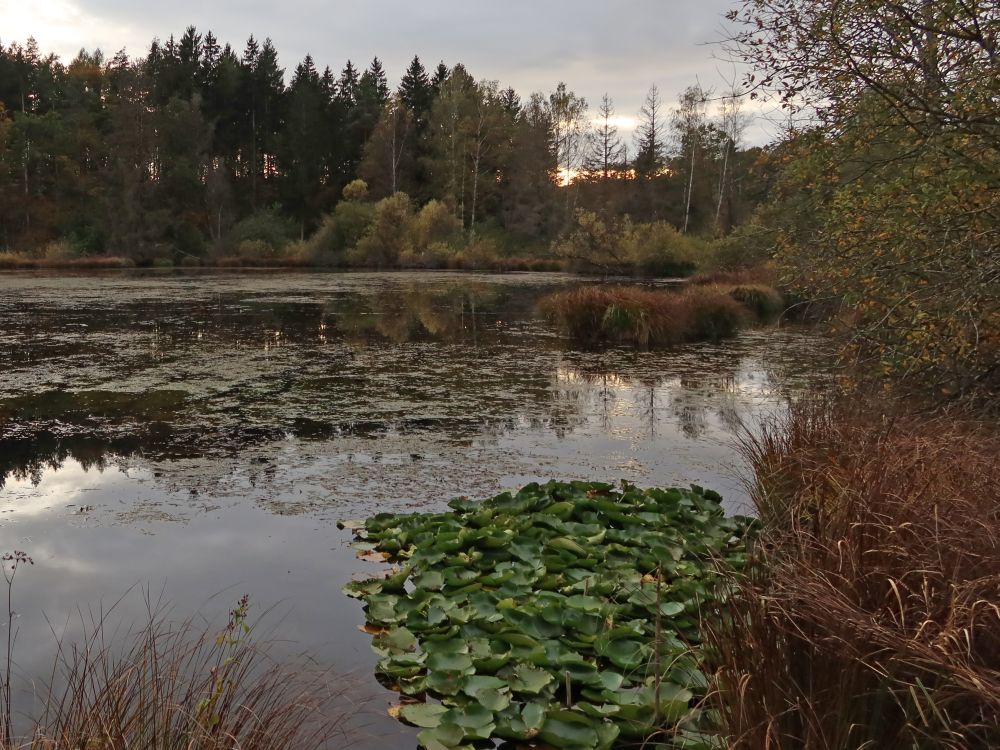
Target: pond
{"x": 192, "y": 437}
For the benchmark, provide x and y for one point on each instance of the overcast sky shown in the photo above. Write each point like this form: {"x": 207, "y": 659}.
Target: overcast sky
{"x": 616, "y": 46}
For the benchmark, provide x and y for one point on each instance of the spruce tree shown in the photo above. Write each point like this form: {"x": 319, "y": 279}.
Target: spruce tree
{"x": 650, "y": 152}
{"x": 511, "y": 102}
{"x": 375, "y": 84}
{"x": 415, "y": 88}
{"x": 347, "y": 86}
{"x": 441, "y": 73}
{"x": 607, "y": 152}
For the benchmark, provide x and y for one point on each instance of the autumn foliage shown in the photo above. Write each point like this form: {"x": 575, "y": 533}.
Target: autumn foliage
{"x": 887, "y": 196}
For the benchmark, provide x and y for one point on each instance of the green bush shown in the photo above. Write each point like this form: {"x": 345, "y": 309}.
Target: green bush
{"x": 355, "y": 191}
{"x": 60, "y": 250}
{"x": 481, "y": 254}
{"x": 435, "y": 224}
{"x": 255, "y": 250}
{"x": 187, "y": 239}
{"x": 619, "y": 246}
{"x": 658, "y": 249}
{"x": 267, "y": 227}
{"x": 594, "y": 244}
{"x": 341, "y": 231}
{"x": 388, "y": 235}
{"x": 88, "y": 238}
{"x": 749, "y": 246}
{"x": 436, "y": 255}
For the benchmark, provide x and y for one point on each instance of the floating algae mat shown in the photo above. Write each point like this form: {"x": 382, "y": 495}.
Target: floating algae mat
{"x": 565, "y": 615}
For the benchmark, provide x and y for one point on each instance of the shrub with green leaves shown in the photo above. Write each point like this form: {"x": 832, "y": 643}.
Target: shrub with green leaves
{"x": 567, "y": 613}
{"x": 267, "y": 229}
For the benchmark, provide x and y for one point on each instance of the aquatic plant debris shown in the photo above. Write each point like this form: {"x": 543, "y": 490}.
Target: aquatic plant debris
{"x": 566, "y": 614}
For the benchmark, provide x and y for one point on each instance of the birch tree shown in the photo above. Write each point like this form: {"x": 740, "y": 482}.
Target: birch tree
{"x": 388, "y": 153}
{"x": 690, "y": 119}
{"x": 732, "y": 123}
{"x": 568, "y": 113}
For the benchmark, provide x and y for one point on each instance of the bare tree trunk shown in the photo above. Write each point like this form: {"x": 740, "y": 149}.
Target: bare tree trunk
{"x": 253, "y": 158}
{"x": 722, "y": 184}
{"x": 690, "y": 187}
{"x": 27, "y": 192}
{"x": 393, "y": 162}
{"x": 475, "y": 191}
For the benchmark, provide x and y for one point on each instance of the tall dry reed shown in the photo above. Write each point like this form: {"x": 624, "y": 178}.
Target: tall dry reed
{"x": 870, "y": 617}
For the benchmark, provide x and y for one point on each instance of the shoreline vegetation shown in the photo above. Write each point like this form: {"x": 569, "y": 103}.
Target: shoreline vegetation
{"x": 13, "y": 261}
{"x": 393, "y": 234}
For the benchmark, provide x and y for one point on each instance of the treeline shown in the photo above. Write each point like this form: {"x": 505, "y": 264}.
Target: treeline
{"x": 197, "y": 152}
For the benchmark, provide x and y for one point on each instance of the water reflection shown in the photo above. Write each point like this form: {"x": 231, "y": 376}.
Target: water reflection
{"x": 203, "y": 433}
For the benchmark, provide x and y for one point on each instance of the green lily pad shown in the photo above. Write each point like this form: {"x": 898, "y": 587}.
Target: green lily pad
{"x": 670, "y": 609}
{"x": 570, "y": 730}
{"x": 627, "y": 654}
{"x": 530, "y": 680}
{"x": 493, "y": 699}
{"x": 362, "y": 589}
{"x": 442, "y": 737}
{"x": 470, "y": 716}
{"x": 533, "y": 715}
{"x": 395, "y": 641}
{"x": 432, "y": 580}
{"x": 425, "y": 715}
{"x": 500, "y": 603}
{"x": 446, "y": 661}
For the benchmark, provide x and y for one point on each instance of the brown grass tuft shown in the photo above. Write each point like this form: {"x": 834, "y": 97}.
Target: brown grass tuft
{"x": 871, "y": 616}
{"x": 645, "y": 317}
{"x": 173, "y": 687}
{"x": 741, "y": 277}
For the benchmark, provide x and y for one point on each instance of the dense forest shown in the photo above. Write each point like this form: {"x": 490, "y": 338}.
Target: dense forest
{"x": 198, "y": 152}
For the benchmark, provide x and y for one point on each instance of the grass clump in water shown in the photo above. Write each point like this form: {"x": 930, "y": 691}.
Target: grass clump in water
{"x": 647, "y": 317}
{"x": 564, "y": 613}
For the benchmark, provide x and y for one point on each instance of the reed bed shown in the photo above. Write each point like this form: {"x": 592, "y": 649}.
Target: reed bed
{"x": 870, "y": 617}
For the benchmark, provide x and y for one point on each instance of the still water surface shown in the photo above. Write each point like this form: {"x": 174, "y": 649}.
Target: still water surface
{"x": 198, "y": 436}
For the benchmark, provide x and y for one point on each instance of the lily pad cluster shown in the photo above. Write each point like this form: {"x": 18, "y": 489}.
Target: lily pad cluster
{"x": 567, "y": 614}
